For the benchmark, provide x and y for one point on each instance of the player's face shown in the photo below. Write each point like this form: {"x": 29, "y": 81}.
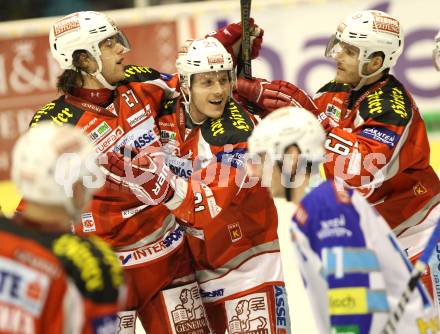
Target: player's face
{"x": 209, "y": 94}
{"x": 112, "y": 57}
{"x": 347, "y": 63}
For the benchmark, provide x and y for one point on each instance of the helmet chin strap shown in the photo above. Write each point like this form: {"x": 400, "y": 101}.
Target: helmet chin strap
{"x": 186, "y": 104}
{"x": 364, "y": 77}
{"x": 98, "y": 75}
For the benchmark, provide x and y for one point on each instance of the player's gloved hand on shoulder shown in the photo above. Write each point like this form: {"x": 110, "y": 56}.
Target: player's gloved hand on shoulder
{"x": 146, "y": 175}
{"x": 271, "y": 95}
{"x": 230, "y": 37}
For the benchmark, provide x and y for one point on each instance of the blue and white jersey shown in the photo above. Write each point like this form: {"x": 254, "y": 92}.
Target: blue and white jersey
{"x": 352, "y": 266}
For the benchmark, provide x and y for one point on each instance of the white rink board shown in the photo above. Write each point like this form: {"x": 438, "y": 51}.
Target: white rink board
{"x": 299, "y": 306}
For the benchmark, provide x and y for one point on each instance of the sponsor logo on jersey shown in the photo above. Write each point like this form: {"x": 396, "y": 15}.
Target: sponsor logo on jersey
{"x": 100, "y": 132}
{"x": 334, "y": 228}
{"x": 59, "y": 119}
{"x": 212, "y": 294}
{"x": 234, "y": 232}
{"x": 90, "y": 123}
{"x": 88, "y": 223}
{"x": 186, "y": 314}
{"x": 248, "y": 314}
{"x": 166, "y": 135}
{"x": 381, "y": 134}
{"x": 105, "y": 144}
{"x": 82, "y": 258}
{"x": 237, "y": 118}
{"x": 281, "y": 310}
{"x": 419, "y": 189}
{"x": 333, "y": 112}
{"x": 133, "y": 69}
{"x": 398, "y": 103}
{"x": 170, "y": 241}
{"x": 217, "y": 127}
{"x": 139, "y": 116}
{"x": 141, "y": 136}
{"x": 15, "y": 320}
{"x": 180, "y": 166}
{"x": 33, "y": 260}
{"x": 22, "y": 287}
{"x": 374, "y": 102}
{"x": 131, "y": 212}
{"x": 234, "y": 158}
{"x": 127, "y": 321}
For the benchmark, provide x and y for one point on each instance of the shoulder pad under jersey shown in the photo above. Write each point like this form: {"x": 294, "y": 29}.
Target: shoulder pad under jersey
{"x": 390, "y": 104}
{"x": 58, "y": 112}
{"x": 333, "y": 86}
{"x": 233, "y": 127}
{"x": 134, "y": 73}
{"x": 92, "y": 266}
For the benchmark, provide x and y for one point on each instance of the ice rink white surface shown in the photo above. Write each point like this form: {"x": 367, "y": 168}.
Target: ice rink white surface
{"x": 299, "y": 306}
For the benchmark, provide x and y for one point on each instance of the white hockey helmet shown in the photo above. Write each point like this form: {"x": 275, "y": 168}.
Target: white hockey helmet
{"x": 436, "y": 52}
{"x": 285, "y": 127}
{"x": 370, "y": 31}
{"x": 83, "y": 31}
{"x": 48, "y": 159}
{"x": 201, "y": 56}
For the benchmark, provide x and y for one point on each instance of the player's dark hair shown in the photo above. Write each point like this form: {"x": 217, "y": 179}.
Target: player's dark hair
{"x": 69, "y": 79}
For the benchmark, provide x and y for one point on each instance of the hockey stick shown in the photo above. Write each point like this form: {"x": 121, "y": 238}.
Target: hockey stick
{"x": 244, "y": 57}
{"x": 419, "y": 268}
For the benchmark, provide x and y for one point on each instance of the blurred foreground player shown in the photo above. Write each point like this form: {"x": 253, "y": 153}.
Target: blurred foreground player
{"x": 52, "y": 281}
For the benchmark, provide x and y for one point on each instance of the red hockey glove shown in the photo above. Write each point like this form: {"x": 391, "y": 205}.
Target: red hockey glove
{"x": 146, "y": 176}
{"x": 273, "y": 95}
{"x": 230, "y": 37}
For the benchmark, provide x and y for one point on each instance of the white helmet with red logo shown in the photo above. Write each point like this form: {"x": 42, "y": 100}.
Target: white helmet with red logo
{"x": 285, "y": 127}
{"x": 48, "y": 159}
{"x": 370, "y": 31}
{"x": 200, "y": 56}
{"x": 436, "y": 52}
{"x": 82, "y": 31}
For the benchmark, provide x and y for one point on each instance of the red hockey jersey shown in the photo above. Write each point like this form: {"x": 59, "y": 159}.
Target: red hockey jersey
{"x": 380, "y": 146}
{"x": 54, "y": 283}
{"x": 120, "y": 218}
{"x": 229, "y": 218}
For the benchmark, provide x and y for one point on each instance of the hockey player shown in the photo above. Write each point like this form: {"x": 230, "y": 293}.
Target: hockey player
{"x": 231, "y": 233}
{"x": 53, "y": 281}
{"x": 353, "y": 268}
{"x": 116, "y": 105}
{"x": 376, "y": 139}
